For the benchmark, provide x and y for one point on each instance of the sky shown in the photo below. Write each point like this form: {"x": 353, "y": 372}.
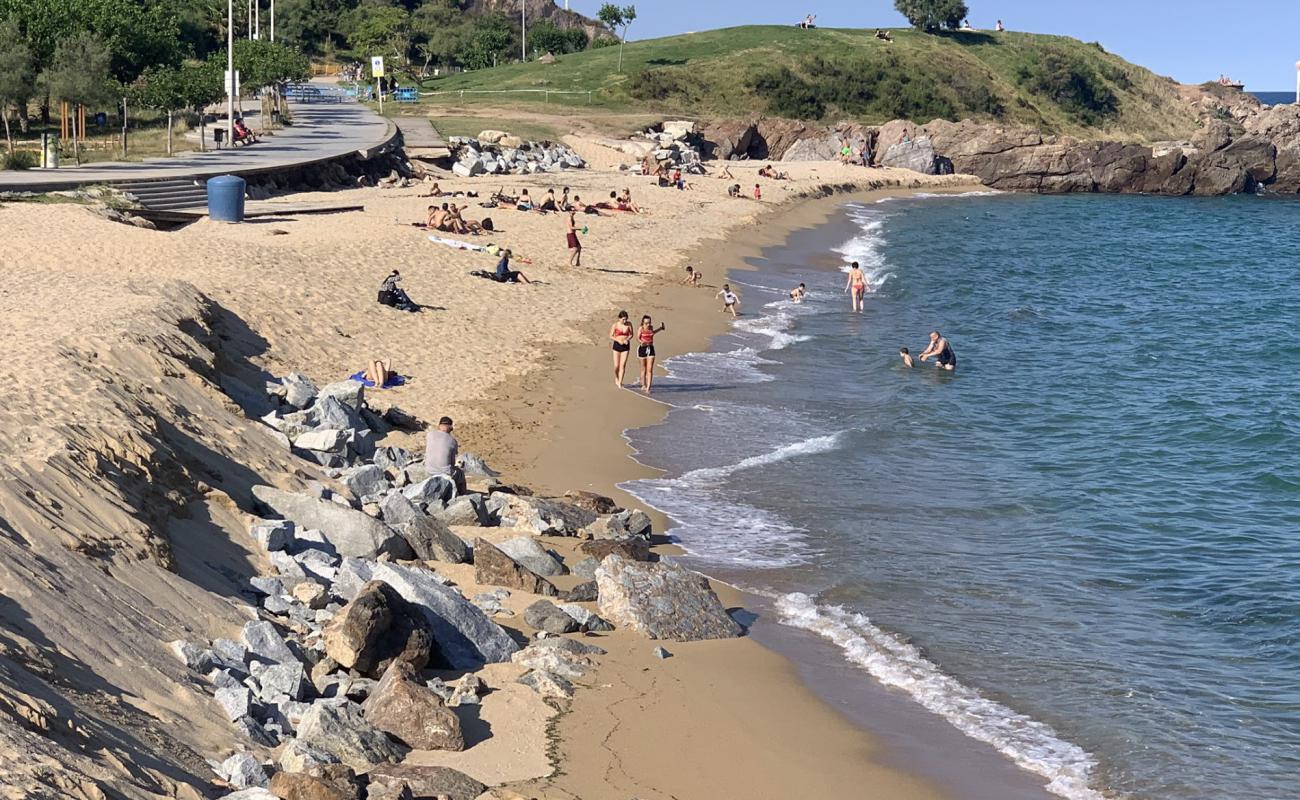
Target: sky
{"x": 1254, "y": 41}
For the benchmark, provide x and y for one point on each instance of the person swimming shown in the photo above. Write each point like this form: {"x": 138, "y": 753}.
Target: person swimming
{"x": 908, "y": 361}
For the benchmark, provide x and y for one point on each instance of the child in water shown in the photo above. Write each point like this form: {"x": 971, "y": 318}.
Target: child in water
{"x": 907, "y": 358}
{"x": 729, "y": 299}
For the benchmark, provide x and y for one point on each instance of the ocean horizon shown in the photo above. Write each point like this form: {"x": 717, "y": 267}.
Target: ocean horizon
{"x": 1077, "y": 549}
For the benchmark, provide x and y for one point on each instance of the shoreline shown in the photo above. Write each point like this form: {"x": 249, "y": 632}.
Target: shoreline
{"x": 586, "y": 416}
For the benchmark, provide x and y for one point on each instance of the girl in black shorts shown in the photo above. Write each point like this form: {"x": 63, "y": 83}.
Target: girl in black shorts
{"x": 620, "y": 334}
{"x": 646, "y": 351}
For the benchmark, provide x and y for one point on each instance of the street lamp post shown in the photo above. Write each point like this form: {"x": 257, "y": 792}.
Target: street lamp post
{"x": 273, "y": 20}
{"x": 257, "y": 19}
{"x": 523, "y": 30}
{"x": 230, "y": 68}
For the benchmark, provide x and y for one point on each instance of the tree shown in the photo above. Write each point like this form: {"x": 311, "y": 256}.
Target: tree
{"x": 375, "y": 30}
{"x": 81, "y": 73}
{"x": 931, "y": 15}
{"x": 16, "y": 73}
{"x": 441, "y": 32}
{"x": 172, "y": 89}
{"x": 491, "y": 36}
{"x": 615, "y": 18}
{"x": 546, "y": 37}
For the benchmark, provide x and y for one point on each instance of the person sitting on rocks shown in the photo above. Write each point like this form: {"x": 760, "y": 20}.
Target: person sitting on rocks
{"x": 441, "y": 451}
{"x": 390, "y": 294}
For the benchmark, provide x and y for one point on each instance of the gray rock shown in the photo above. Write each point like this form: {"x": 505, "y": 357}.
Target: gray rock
{"x": 431, "y": 540}
{"x": 255, "y": 732}
{"x": 242, "y": 771}
{"x": 568, "y": 645}
{"x": 825, "y": 148}
{"x": 224, "y": 679}
{"x": 618, "y": 526}
{"x": 587, "y": 619}
{"x": 917, "y": 155}
{"x": 586, "y": 568}
{"x": 282, "y": 679}
{"x": 277, "y": 604}
{"x": 467, "y": 691}
{"x": 473, "y": 465}
{"x": 235, "y": 701}
{"x": 366, "y": 480}
{"x": 266, "y": 585}
{"x": 435, "y": 491}
{"x": 662, "y": 601}
{"x": 351, "y": 532}
{"x": 299, "y": 756}
{"x": 197, "y": 658}
{"x": 424, "y": 783}
{"x": 327, "y": 412}
{"x": 411, "y": 712}
{"x": 353, "y": 573}
{"x": 558, "y": 660}
{"x": 587, "y": 592}
{"x": 545, "y": 616}
{"x": 251, "y": 794}
{"x": 299, "y": 391}
{"x": 465, "y": 637}
{"x": 266, "y": 643}
{"x": 661, "y": 653}
{"x": 311, "y": 540}
{"x": 530, "y": 553}
{"x": 540, "y": 516}
{"x": 466, "y": 510}
{"x": 396, "y": 509}
{"x": 290, "y": 571}
{"x": 494, "y": 568}
{"x": 324, "y": 440}
{"x": 393, "y": 458}
{"x": 350, "y": 393}
{"x": 273, "y": 534}
{"x": 339, "y": 728}
{"x": 547, "y": 684}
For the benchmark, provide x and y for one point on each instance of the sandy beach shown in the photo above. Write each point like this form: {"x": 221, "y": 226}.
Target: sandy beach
{"x": 127, "y": 467}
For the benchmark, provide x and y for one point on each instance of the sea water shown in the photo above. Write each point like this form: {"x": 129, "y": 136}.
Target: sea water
{"x": 1082, "y": 548}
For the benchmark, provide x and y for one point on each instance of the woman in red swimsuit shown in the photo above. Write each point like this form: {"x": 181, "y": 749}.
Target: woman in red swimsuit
{"x": 621, "y": 336}
{"x": 646, "y": 351}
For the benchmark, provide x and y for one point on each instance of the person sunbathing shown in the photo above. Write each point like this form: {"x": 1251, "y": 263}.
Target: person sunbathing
{"x": 625, "y": 202}
{"x": 770, "y": 172}
{"x": 379, "y": 373}
{"x": 524, "y": 203}
{"x": 437, "y": 218}
{"x": 549, "y": 203}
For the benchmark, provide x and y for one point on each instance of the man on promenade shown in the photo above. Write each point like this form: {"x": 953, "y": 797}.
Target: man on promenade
{"x": 941, "y": 352}
{"x": 440, "y": 453}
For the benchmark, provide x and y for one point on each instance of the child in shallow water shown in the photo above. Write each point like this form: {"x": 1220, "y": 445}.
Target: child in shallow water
{"x": 907, "y": 357}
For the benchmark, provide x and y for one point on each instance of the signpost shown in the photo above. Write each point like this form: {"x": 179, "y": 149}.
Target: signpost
{"x": 377, "y": 70}
{"x": 1297, "y": 83}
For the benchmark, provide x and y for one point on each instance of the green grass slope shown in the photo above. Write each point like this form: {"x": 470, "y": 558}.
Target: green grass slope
{"x": 1056, "y": 83}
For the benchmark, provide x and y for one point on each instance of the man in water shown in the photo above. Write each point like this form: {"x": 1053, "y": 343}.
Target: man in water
{"x": 440, "y": 453}
{"x": 941, "y": 352}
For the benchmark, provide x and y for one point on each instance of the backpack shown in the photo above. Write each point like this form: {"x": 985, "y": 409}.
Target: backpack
{"x": 487, "y": 224}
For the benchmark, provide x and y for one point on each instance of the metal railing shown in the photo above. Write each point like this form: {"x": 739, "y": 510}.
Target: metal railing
{"x": 547, "y": 92}
{"x": 306, "y": 93}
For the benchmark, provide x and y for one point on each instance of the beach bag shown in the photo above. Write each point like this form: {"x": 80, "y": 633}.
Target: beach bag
{"x": 488, "y": 224}
{"x": 386, "y": 298}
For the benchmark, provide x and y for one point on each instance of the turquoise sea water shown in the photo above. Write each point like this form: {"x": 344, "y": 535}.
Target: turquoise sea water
{"x": 1083, "y": 548}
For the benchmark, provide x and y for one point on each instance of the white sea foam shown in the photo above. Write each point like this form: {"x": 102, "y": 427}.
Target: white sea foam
{"x": 1030, "y": 744}
{"x": 817, "y": 444}
{"x": 731, "y": 366}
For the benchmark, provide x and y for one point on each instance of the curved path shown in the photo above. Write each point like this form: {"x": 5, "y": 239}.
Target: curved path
{"x": 321, "y": 132}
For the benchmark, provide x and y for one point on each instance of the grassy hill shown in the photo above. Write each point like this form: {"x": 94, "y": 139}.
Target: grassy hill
{"x": 1056, "y": 83}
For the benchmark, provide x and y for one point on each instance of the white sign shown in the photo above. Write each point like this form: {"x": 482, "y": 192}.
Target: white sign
{"x": 232, "y": 88}
{"x": 377, "y": 66}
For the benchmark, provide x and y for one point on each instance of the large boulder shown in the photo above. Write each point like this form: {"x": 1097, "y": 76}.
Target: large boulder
{"x": 432, "y": 540}
{"x": 663, "y": 601}
{"x": 426, "y": 783}
{"x": 350, "y": 532}
{"x": 730, "y": 139}
{"x": 633, "y": 548}
{"x": 465, "y": 637}
{"x": 544, "y": 615}
{"x": 339, "y": 728}
{"x": 495, "y": 568}
{"x": 818, "y": 148}
{"x": 410, "y": 711}
{"x": 330, "y": 782}
{"x": 917, "y": 155}
{"x": 353, "y": 636}
{"x": 529, "y": 552}
{"x": 540, "y": 516}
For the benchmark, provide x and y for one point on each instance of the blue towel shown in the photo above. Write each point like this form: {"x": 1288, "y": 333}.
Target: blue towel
{"x": 393, "y": 380}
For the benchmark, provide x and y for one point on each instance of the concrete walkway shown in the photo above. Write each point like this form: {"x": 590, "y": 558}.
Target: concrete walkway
{"x": 321, "y": 132}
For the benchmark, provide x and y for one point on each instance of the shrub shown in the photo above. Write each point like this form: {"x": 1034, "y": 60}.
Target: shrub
{"x": 665, "y": 84}
{"x": 931, "y": 15}
{"x": 20, "y": 159}
{"x": 603, "y": 41}
{"x": 788, "y": 95}
{"x": 1070, "y": 83}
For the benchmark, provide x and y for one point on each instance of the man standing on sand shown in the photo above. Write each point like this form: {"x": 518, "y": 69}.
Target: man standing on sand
{"x": 571, "y": 238}
{"x": 440, "y": 453}
{"x": 941, "y": 352}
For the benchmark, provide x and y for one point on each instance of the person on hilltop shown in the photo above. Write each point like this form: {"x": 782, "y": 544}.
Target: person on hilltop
{"x": 941, "y": 352}
{"x": 646, "y": 350}
{"x": 620, "y": 335}
{"x": 572, "y": 240}
{"x": 857, "y": 285}
{"x": 441, "y": 452}
{"x": 1000, "y": 27}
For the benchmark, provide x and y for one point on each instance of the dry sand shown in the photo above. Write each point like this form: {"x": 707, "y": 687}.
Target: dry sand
{"x": 125, "y": 473}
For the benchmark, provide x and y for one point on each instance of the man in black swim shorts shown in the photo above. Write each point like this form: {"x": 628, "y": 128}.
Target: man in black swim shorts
{"x": 941, "y": 352}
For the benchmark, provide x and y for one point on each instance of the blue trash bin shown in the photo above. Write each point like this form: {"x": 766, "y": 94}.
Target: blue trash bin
{"x": 226, "y": 198}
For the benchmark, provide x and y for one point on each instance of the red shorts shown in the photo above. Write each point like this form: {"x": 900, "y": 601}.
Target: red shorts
{"x": 574, "y": 244}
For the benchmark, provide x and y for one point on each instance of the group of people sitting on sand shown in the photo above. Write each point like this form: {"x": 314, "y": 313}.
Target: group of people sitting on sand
{"x": 734, "y": 190}
{"x": 448, "y": 219}
{"x": 669, "y": 177}
{"x": 770, "y": 172}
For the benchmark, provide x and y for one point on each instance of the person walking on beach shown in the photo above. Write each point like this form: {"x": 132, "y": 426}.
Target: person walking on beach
{"x": 729, "y": 299}
{"x": 857, "y": 285}
{"x": 941, "y": 352}
{"x": 646, "y": 350}
{"x": 571, "y": 238}
{"x": 620, "y": 334}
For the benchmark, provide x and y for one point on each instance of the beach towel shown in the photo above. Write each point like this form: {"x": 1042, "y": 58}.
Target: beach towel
{"x": 393, "y": 380}
{"x": 458, "y": 244}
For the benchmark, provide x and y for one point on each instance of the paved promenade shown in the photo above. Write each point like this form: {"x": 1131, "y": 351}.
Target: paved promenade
{"x": 321, "y": 131}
